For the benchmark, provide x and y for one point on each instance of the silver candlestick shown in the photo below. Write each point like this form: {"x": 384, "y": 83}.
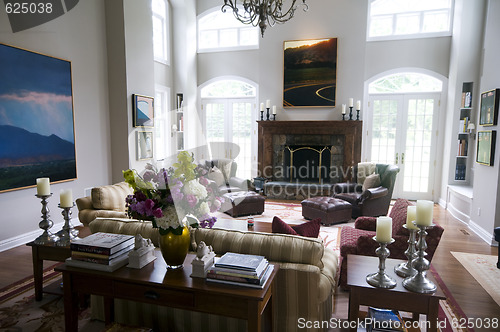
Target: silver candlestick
{"x": 419, "y": 282}
{"x": 68, "y": 232}
{"x": 406, "y": 269}
{"x": 45, "y": 224}
{"x": 380, "y": 279}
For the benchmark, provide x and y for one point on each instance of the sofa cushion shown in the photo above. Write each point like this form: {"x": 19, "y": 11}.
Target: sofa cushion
{"x": 308, "y": 229}
{"x": 111, "y": 197}
{"x": 365, "y": 169}
{"x": 371, "y": 181}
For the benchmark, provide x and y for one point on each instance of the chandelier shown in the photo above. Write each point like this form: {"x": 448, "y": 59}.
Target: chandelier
{"x": 262, "y": 12}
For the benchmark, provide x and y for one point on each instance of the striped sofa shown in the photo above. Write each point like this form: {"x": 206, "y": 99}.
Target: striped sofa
{"x": 306, "y": 282}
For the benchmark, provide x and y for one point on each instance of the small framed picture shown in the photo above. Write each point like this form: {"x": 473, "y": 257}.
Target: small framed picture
{"x": 144, "y": 145}
{"x": 486, "y": 147}
{"x": 144, "y": 113}
{"x": 488, "y": 115}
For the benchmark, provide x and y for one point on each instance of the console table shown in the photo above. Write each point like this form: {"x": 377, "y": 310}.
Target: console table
{"x": 173, "y": 288}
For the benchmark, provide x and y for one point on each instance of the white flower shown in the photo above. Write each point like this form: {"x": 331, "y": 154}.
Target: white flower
{"x": 169, "y": 219}
{"x": 204, "y": 209}
{"x": 195, "y": 188}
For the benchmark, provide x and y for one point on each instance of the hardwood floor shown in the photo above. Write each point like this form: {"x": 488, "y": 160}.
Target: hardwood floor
{"x": 473, "y": 299}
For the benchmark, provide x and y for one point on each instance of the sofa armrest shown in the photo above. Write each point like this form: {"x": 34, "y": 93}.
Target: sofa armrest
{"x": 239, "y": 182}
{"x": 373, "y": 193}
{"x": 83, "y": 203}
{"x": 366, "y": 223}
{"x": 366, "y": 246}
{"x": 346, "y": 187}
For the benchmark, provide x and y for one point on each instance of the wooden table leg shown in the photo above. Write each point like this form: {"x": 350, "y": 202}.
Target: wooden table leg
{"x": 353, "y": 307}
{"x": 70, "y": 304}
{"x": 432, "y": 314}
{"x": 37, "y": 273}
{"x": 254, "y": 317}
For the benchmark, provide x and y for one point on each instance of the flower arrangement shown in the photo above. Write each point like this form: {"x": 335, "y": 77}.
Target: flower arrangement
{"x": 172, "y": 197}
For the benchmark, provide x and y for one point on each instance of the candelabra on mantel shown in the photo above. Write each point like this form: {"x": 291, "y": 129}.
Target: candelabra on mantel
{"x": 357, "y": 114}
{"x": 267, "y": 114}
{"x": 45, "y": 223}
{"x": 261, "y": 115}
{"x": 350, "y": 113}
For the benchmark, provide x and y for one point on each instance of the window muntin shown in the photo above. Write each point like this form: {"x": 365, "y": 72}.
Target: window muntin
{"x": 405, "y": 83}
{"x": 218, "y": 31}
{"x": 160, "y": 35}
{"x": 228, "y": 89}
{"x": 397, "y": 19}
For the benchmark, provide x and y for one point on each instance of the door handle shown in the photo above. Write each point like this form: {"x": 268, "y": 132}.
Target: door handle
{"x": 402, "y": 158}
{"x": 397, "y": 158}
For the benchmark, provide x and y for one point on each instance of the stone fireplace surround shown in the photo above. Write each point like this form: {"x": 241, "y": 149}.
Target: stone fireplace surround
{"x": 342, "y": 138}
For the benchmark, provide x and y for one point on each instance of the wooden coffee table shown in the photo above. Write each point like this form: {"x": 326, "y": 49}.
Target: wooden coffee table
{"x": 398, "y": 298}
{"x": 173, "y": 288}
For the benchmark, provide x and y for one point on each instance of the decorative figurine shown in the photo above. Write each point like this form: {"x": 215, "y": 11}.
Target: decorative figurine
{"x": 203, "y": 261}
{"x": 142, "y": 254}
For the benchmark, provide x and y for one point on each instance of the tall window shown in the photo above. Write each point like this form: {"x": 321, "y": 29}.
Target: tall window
{"x": 398, "y": 19}
{"x": 218, "y": 31}
{"x": 162, "y": 129}
{"x": 160, "y": 31}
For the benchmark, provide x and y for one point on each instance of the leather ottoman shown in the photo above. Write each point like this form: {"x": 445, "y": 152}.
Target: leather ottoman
{"x": 330, "y": 210}
{"x": 243, "y": 203}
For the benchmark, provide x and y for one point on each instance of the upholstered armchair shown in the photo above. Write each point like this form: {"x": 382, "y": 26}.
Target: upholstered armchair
{"x": 222, "y": 172}
{"x": 359, "y": 240}
{"x": 369, "y": 201}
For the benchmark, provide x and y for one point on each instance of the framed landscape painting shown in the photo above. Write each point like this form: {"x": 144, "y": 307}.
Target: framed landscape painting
{"x": 486, "y": 147}
{"x": 310, "y": 73}
{"x": 144, "y": 113}
{"x": 488, "y": 115}
{"x": 37, "y": 133}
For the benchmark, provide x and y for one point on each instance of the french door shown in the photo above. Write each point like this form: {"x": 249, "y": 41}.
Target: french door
{"x": 404, "y": 133}
{"x": 229, "y": 127}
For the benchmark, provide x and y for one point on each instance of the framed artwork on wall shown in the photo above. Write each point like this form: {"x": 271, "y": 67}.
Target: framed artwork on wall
{"x": 488, "y": 115}
{"x": 144, "y": 112}
{"x": 310, "y": 73}
{"x": 144, "y": 145}
{"x": 37, "y": 130}
{"x": 486, "y": 147}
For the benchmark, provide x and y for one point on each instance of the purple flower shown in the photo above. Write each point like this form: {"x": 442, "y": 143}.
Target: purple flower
{"x": 158, "y": 213}
{"x": 203, "y": 181}
{"x": 148, "y": 175}
{"x": 192, "y": 200}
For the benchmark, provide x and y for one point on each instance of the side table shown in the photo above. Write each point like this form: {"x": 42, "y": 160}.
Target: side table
{"x": 398, "y": 298}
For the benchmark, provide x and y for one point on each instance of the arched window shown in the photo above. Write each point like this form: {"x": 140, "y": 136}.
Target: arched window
{"x": 404, "y": 83}
{"x": 218, "y": 31}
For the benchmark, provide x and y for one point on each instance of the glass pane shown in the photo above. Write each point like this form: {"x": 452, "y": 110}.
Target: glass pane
{"x": 228, "y": 88}
{"x": 158, "y": 7}
{"x": 436, "y": 21}
{"x": 381, "y": 26}
{"x": 249, "y": 36}
{"x": 228, "y": 37}
{"x": 208, "y": 39}
{"x": 215, "y": 122}
{"x": 404, "y": 6}
{"x": 242, "y": 130}
{"x": 405, "y": 82}
{"x": 407, "y": 24}
{"x": 158, "y": 38}
{"x": 384, "y": 131}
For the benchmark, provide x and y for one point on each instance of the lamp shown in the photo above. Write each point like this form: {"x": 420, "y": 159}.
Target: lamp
{"x": 471, "y": 127}
{"x": 262, "y": 12}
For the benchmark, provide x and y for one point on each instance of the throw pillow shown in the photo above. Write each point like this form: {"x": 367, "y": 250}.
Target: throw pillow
{"x": 398, "y": 215}
{"x": 364, "y": 169}
{"x": 308, "y": 229}
{"x": 226, "y": 170}
{"x": 216, "y": 175}
{"x": 371, "y": 181}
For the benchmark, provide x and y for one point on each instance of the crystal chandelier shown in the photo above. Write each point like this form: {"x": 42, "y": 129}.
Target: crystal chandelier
{"x": 262, "y": 12}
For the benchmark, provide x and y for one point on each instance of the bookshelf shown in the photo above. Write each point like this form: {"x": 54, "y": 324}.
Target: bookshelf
{"x": 462, "y": 155}
{"x": 179, "y": 122}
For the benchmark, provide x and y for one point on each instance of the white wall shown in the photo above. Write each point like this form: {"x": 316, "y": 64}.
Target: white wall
{"x": 78, "y": 36}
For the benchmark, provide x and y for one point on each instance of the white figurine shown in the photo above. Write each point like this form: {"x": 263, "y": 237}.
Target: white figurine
{"x": 203, "y": 261}
{"x": 142, "y": 254}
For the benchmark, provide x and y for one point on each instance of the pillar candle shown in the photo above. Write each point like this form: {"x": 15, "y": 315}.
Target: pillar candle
{"x": 351, "y": 102}
{"x": 268, "y": 103}
{"x": 358, "y": 105}
{"x": 262, "y": 107}
{"x": 43, "y": 186}
{"x": 424, "y": 212}
{"x": 384, "y": 229}
{"x": 343, "y": 108}
{"x": 411, "y": 216}
{"x": 66, "y": 198}
{"x": 274, "y": 109}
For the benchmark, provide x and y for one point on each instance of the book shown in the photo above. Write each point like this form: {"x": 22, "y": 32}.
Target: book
{"x": 235, "y": 273}
{"x": 82, "y": 254}
{"x": 231, "y": 260}
{"x": 102, "y": 243}
{"x": 235, "y": 283}
{"x": 384, "y": 320}
{"x": 104, "y": 261}
{"x": 114, "y": 265}
{"x": 241, "y": 279}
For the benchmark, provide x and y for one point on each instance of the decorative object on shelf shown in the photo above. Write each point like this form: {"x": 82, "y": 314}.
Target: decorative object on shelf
{"x": 174, "y": 130}
{"x": 471, "y": 127}
{"x": 38, "y": 123}
{"x": 267, "y": 114}
{"x": 299, "y": 89}
{"x": 68, "y": 232}
{"x": 144, "y": 145}
{"x": 166, "y": 196}
{"x": 46, "y": 223}
{"x": 343, "y": 111}
{"x": 486, "y": 147}
{"x": 144, "y": 114}
{"x": 380, "y": 279}
{"x": 261, "y": 111}
{"x": 358, "y": 109}
{"x": 274, "y": 113}
{"x": 179, "y": 100}
{"x": 250, "y": 221}
{"x": 261, "y": 12}
{"x": 203, "y": 261}
{"x": 142, "y": 254}
{"x": 488, "y": 115}
{"x": 350, "y": 113}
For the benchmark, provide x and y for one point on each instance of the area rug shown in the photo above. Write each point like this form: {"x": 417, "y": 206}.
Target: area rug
{"x": 484, "y": 269}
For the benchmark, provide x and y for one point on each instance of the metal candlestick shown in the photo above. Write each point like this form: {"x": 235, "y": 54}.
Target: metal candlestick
{"x": 267, "y": 114}
{"x": 357, "y": 115}
{"x": 406, "y": 269}
{"x": 380, "y": 279}
{"x": 261, "y": 115}
{"x": 343, "y": 117}
{"x": 274, "y": 117}
{"x": 46, "y": 223}
{"x": 350, "y": 112}
{"x": 68, "y": 232}
{"x": 419, "y": 282}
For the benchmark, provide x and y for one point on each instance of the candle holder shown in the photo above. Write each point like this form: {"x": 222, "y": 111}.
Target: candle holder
{"x": 357, "y": 115}
{"x": 267, "y": 114}
{"x": 350, "y": 113}
{"x": 45, "y": 224}
{"x": 343, "y": 117}
{"x": 380, "y": 279}
{"x": 406, "y": 269}
{"x": 261, "y": 115}
{"x": 274, "y": 117}
{"x": 419, "y": 282}
{"x": 68, "y": 232}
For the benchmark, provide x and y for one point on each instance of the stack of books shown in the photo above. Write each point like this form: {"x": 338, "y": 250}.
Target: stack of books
{"x": 384, "y": 320}
{"x": 101, "y": 251}
{"x": 241, "y": 269}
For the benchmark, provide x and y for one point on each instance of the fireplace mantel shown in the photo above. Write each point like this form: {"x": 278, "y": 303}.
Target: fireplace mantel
{"x": 352, "y": 131}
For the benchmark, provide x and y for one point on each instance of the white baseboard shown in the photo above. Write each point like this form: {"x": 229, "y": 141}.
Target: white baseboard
{"x": 442, "y": 203}
{"x": 458, "y": 214}
{"x": 488, "y": 237}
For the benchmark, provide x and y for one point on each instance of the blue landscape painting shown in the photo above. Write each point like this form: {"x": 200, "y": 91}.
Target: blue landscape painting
{"x": 37, "y": 134}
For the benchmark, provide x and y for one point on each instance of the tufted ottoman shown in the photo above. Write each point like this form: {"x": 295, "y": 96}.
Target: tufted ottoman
{"x": 242, "y": 203}
{"x": 330, "y": 210}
